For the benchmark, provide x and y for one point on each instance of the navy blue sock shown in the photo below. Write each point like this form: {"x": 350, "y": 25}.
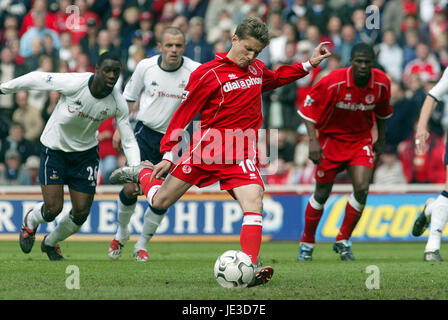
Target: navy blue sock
{"x": 158, "y": 211}
{"x": 125, "y": 200}
{"x": 444, "y": 193}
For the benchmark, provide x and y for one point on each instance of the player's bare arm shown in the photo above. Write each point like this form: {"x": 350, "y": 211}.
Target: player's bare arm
{"x": 320, "y": 53}
{"x": 379, "y": 143}
{"x": 422, "y": 134}
{"x": 315, "y": 152}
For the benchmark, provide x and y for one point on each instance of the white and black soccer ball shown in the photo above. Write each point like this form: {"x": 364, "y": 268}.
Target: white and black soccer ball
{"x": 234, "y": 269}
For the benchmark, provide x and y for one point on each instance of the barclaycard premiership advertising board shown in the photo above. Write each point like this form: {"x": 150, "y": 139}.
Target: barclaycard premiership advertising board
{"x": 204, "y": 216}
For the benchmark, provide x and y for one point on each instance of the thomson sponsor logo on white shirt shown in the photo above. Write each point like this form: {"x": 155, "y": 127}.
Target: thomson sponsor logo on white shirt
{"x": 354, "y": 107}
{"x": 242, "y": 84}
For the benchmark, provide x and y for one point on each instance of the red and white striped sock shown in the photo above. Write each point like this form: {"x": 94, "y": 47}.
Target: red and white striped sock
{"x": 313, "y": 213}
{"x": 251, "y": 233}
{"x": 353, "y": 211}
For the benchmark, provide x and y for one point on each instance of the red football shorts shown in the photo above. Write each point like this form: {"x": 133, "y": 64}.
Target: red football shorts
{"x": 339, "y": 154}
{"x": 229, "y": 175}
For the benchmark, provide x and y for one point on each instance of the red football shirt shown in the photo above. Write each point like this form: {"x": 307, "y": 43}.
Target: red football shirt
{"x": 229, "y": 100}
{"x": 346, "y": 112}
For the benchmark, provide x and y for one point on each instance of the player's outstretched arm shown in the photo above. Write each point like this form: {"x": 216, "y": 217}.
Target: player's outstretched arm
{"x": 422, "y": 134}
{"x": 320, "y": 53}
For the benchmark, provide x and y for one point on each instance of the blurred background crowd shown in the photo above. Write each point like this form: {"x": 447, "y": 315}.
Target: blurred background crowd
{"x": 411, "y": 45}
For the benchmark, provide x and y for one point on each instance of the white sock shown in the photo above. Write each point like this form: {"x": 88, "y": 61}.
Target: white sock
{"x": 35, "y": 217}
{"x": 124, "y": 216}
{"x": 65, "y": 228}
{"x": 151, "y": 222}
{"x": 439, "y": 217}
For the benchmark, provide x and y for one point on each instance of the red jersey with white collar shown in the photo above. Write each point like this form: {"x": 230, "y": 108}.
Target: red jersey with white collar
{"x": 229, "y": 100}
{"x": 339, "y": 108}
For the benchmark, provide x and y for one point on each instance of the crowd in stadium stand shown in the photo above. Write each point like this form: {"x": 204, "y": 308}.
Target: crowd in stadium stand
{"x": 68, "y": 36}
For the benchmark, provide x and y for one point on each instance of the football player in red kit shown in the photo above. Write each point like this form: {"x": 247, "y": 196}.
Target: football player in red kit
{"x": 227, "y": 93}
{"x": 339, "y": 114}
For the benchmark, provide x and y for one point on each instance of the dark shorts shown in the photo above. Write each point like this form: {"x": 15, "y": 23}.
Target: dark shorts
{"x": 149, "y": 143}
{"x": 78, "y": 170}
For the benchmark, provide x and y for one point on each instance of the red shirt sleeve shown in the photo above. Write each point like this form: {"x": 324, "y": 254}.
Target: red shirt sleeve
{"x": 282, "y": 75}
{"x": 197, "y": 92}
{"x": 316, "y": 102}
{"x": 383, "y": 108}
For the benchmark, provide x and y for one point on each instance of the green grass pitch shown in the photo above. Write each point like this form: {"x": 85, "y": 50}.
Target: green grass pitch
{"x": 184, "y": 271}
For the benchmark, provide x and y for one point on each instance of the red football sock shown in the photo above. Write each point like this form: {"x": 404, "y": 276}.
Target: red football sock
{"x": 312, "y": 218}
{"x": 250, "y": 236}
{"x": 144, "y": 178}
{"x": 351, "y": 218}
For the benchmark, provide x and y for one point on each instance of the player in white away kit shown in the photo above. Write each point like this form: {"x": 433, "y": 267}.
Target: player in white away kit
{"x": 162, "y": 79}
{"x": 69, "y": 153}
{"x": 435, "y": 211}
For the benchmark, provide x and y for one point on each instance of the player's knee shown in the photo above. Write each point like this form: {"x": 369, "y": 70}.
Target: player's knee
{"x": 321, "y": 197}
{"x": 51, "y": 211}
{"x": 129, "y": 190}
{"x": 161, "y": 202}
{"x": 79, "y": 219}
{"x": 361, "y": 193}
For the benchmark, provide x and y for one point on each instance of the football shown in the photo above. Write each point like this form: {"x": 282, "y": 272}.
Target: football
{"x": 234, "y": 269}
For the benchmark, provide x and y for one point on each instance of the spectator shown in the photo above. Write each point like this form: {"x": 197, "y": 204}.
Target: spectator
{"x": 345, "y": 12}
{"x": 108, "y": 155}
{"x": 146, "y": 23}
{"x": 409, "y": 47}
{"x": 295, "y": 12}
{"x": 12, "y": 170}
{"x": 8, "y": 71}
{"x": 401, "y": 124}
{"x": 333, "y": 63}
{"x": 428, "y": 167}
{"x": 334, "y": 27}
{"x": 363, "y": 33}
{"x": 9, "y": 24}
{"x": 197, "y": 48}
{"x": 61, "y": 16}
{"x": 304, "y": 51}
{"x": 390, "y": 56}
{"x": 29, "y": 21}
{"x": 281, "y": 174}
{"x": 114, "y": 26}
{"x": 16, "y": 140}
{"x": 181, "y": 22}
{"x": 195, "y": 8}
{"x": 389, "y": 170}
{"x": 37, "y": 32}
{"x": 215, "y": 7}
{"x": 348, "y": 42}
{"x": 393, "y": 16}
{"x": 130, "y": 25}
{"x": 277, "y": 45}
{"x": 88, "y": 42}
{"x": 318, "y": 14}
{"x": 215, "y": 33}
{"x": 30, "y": 176}
{"x": 31, "y": 63}
{"x": 49, "y": 49}
{"x": 275, "y": 24}
{"x": 248, "y": 6}
{"x": 301, "y": 26}
{"x": 29, "y": 117}
{"x": 425, "y": 65}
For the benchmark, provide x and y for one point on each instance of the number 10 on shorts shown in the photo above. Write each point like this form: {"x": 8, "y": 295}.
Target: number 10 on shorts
{"x": 247, "y": 165}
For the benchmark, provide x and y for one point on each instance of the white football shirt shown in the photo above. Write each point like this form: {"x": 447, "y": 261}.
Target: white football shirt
{"x": 162, "y": 90}
{"x": 441, "y": 88}
{"x": 73, "y": 125}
